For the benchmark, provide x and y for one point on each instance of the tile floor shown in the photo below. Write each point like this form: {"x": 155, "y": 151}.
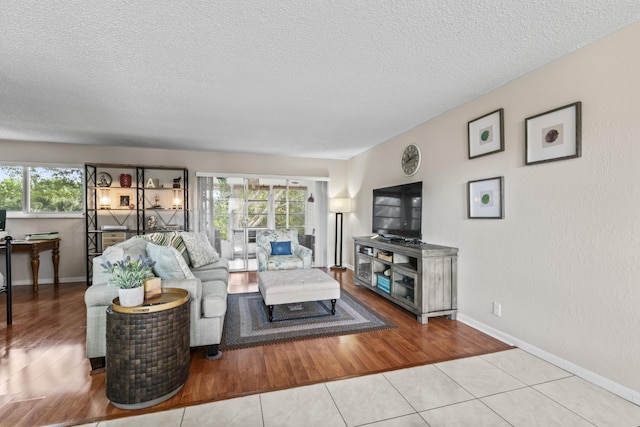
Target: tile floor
{"x": 509, "y": 388}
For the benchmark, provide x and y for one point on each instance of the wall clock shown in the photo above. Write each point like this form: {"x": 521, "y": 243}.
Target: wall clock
{"x": 411, "y": 159}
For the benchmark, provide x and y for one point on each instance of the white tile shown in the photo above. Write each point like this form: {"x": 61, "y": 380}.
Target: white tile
{"x": 426, "y": 387}
{"x": 241, "y": 412}
{"x": 528, "y": 407}
{"x": 472, "y": 413}
{"x": 591, "y": 402}
{"x": 479, "y": 377}
{"x": 301, "y": 406}
{"x": 171, "y": 418}
{"x": 525, "y": 367}
{"x": 368, "y": 399}
{"x": 412, "y": 420}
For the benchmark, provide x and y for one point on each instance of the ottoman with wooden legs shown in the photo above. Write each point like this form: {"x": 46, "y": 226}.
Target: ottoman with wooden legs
{"x": 296, "y": 286}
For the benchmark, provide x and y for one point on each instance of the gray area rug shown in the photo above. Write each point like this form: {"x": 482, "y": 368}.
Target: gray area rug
{"x": 247, "y": 324}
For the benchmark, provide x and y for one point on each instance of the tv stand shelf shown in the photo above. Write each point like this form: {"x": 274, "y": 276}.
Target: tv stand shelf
{"x": 421, "y": 278}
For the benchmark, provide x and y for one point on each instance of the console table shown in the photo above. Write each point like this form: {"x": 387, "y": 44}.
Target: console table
{"x": 148, "y": 353}
{"x": 34, "y": 247}
{"x": 422, "y": 278}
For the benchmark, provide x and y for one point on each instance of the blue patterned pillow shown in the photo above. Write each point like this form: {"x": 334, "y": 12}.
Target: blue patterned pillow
{"x": 280, "y": 248}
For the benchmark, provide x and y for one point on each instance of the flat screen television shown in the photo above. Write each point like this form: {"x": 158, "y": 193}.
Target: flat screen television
{"x": 397, "y": 211}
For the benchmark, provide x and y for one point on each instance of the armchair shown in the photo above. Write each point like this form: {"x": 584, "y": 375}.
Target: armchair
{"x": 280, "y": 250}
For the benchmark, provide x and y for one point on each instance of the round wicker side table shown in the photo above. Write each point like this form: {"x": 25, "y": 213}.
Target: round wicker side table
{"x": 148, "y": 353}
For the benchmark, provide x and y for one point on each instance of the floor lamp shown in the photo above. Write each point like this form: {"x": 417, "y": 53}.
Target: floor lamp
{"x": 339, "y": 205}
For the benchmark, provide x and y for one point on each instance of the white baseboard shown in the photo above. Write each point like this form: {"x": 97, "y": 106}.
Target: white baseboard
{"x": 48, "y": 281}
{"x": 615, "y": 388}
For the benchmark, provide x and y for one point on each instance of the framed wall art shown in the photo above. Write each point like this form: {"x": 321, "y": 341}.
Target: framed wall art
{"x": 125, "y": 200}
{"x": 486, "y": 134}
{"x": 485, "y": 198}
{"x": 554, "y": 135}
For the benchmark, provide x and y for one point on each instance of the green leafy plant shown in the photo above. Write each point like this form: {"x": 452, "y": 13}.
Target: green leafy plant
{"x": 127, "y": 274}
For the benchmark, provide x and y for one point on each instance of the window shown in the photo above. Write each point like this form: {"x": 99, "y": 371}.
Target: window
{"x": 42, "y": 189}
{"x": 11, "y": 188}
{"x": 290, "y": 207}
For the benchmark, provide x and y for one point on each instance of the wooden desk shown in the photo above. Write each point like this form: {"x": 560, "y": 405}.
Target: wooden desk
{"x": 35, "y": 247}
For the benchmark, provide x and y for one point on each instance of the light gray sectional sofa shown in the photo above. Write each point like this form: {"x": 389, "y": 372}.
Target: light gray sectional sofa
{"x": 183, "y": 260}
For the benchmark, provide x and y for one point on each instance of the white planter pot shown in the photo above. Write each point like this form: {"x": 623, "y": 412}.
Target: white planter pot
{"x": 131, "y": 297}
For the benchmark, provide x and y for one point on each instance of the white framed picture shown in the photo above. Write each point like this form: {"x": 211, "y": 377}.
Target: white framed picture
{"x": 554, "y": 135}
{"x": 485, "y": 134}
{"x": 485, "y": 198}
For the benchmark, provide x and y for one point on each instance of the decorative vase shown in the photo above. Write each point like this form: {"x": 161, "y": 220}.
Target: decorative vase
{"x": 131, "y": 297}
{"x": 125, "y": 180}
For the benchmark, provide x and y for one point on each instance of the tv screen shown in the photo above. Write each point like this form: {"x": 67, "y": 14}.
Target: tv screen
{"x": 397, "y": 211}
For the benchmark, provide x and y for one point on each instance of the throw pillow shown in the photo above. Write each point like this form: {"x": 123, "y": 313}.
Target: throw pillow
{"x": 132, "y": 248}
{"x": 280, "y": 248}
{"x": 200, "y": 250}
{"x": 169, "y": 262}
{"x": 171, "y": 238}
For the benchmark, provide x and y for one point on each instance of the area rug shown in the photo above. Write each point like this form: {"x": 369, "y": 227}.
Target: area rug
{"x": 247, "y": 324}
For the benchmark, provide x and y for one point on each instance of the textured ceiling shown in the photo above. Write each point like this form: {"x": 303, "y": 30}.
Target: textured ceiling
{"x": 325, "y": 79}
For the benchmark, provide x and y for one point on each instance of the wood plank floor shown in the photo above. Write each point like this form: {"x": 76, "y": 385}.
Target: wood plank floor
{"x": 45, "y": 378}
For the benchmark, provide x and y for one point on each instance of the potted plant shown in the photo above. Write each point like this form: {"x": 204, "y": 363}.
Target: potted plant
{"x": 129, "y": 277}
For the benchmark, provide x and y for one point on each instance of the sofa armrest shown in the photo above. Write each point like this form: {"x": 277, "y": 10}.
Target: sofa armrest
{"x": 305, "y": 254}
{"x": 193, "y": 286}
{"x": 262, "y": 256}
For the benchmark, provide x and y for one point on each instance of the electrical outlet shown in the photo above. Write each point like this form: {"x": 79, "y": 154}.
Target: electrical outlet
{"x": 497, "y": 309}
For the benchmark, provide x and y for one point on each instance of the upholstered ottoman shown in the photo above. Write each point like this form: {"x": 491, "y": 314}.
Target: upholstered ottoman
{"x": 294, "y": 286}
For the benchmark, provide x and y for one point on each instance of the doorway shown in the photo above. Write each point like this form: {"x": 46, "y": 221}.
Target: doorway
{"x": 233, "y": 209}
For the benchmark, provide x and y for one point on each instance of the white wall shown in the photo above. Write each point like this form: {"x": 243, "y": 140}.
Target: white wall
{"x": 565, "y": 261}
{"x": 72, "y": 251}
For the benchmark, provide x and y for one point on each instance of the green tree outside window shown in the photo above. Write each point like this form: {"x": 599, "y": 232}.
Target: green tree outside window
{"x": 51, "y": 189}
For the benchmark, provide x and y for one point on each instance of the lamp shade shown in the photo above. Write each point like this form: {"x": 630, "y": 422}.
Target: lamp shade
{"x": 340, "y": 204}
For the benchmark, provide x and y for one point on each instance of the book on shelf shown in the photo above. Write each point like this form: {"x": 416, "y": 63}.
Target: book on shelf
{"x": 114, "y": 227}
{"x": 42, "y": 235}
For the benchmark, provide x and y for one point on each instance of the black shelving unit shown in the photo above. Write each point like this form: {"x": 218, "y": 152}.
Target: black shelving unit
{"x": 142, "y": 204}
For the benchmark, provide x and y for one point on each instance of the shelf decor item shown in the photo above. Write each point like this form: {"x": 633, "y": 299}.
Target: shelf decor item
{"x": 153, "y": 183}
{"x": 177, "y": 199}
{"x": 485, "y": 198}
{"x": 486, "y": 134}
{"x": 105, "y": 199}
{"x": 103, "y": 180}
{"x": 554, "y": 135}
{"x": 125, "y": 180}
{"x": 125, "y": 200}
{"x": 152, "y": 222}
{"x": 129, "y": 277}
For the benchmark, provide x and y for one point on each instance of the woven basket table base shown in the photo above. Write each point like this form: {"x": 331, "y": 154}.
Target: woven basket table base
{"x": 148, "y": 356}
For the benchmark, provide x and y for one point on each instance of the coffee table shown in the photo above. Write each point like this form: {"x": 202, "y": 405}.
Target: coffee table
{"x": 295, "y": 286}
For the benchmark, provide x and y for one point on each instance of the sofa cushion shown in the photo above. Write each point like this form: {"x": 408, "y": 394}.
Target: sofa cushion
{"x": 214, "y": 298}
{"x": 132, "y": 248}
{"x": 284, "y": 262}
{"x": 169, "y": 262}
{"x": 200, "y": 250}
{"x": 281, "y": 248}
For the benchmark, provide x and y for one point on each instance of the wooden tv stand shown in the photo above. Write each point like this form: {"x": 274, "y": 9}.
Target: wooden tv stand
{"x": 421, "y": 278}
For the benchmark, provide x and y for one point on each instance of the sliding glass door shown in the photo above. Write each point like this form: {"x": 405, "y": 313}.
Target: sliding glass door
{"x": 232, "y": 209}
